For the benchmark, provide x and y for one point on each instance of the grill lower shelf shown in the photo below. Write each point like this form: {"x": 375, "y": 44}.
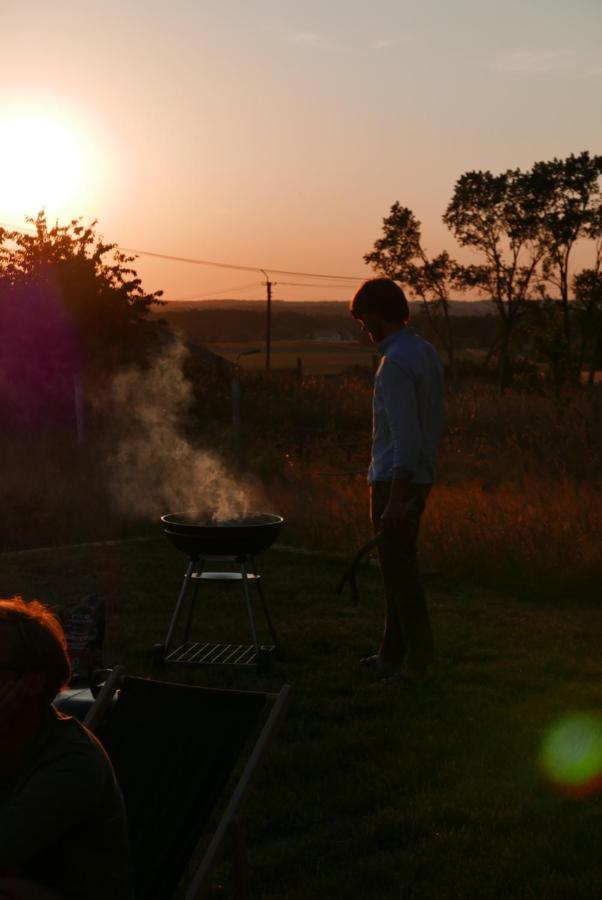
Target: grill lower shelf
{"x": 200, "y": 654}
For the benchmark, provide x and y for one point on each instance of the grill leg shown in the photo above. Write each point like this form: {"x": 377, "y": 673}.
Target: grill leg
{"x": 193, "y": 599}
{"x": 247, "y": 593}
{"x": 176, "y": 612}
{"x": 264, "y": 605}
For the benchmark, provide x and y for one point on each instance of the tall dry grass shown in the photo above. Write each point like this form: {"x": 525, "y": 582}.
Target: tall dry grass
{"x": 515, "y": 532}
{"x": 519, "y": 495}
{"x": 53, "y": 491}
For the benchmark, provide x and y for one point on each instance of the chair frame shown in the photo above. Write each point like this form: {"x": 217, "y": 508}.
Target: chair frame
{"x": 230, "y": 824}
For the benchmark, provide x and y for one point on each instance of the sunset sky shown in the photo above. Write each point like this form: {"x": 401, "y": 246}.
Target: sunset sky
{"x": 278, "y": 134}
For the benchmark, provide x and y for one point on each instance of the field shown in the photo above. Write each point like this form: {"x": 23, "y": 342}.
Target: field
{"x": 518, "y": 503}
{"x": 317, "y": 357}
{"x": 322, "y": 357}
{"x": 374, "y": 791}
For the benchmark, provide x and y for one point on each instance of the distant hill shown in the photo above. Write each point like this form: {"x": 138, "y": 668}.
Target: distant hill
{"x": 247, "y": 322}
{"x": 312, "y": 307}
{"x": 207, "y": 322}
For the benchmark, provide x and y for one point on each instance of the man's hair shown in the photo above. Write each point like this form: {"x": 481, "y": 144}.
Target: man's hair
{"x": 382, "y": 296}
{"x": 40, "y": 642}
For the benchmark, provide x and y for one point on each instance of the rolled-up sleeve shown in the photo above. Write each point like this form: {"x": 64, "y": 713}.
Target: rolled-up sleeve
{"x": 403, "y": 417}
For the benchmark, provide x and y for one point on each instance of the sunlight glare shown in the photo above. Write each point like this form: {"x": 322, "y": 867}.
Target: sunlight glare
{"x": 41, "y": 166}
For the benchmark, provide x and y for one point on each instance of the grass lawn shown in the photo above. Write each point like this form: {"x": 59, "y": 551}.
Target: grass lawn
{"x": 375, "y": 791}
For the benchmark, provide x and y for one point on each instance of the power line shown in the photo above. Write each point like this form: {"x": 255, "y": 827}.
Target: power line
{"x": 185, "y": 259}
{"x": 331, "y": 287}
{"x": 197, "y": 296}
{"x": 221, "y": 265}
{"x": 253, "y": 284}
{"x": 22, "y": 228}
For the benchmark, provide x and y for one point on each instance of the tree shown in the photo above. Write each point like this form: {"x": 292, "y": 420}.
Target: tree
{"x": 70, "y": 305}
{"x": 587, "y": 286}
{"x": 68, "y": 268}
{"x": 496, "y": 215}
{"x": 567, "y": 194}
{"x": 399, "y": 255}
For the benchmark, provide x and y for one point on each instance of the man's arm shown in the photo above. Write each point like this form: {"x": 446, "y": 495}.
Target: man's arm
{"x": 399, "y": 394}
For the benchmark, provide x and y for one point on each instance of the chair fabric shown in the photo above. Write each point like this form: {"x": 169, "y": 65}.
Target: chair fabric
{"x": 173, "y": 748}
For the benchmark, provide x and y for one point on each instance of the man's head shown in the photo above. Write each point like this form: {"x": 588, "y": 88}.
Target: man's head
{"x": 33, "y": 649}
{"x": 381, "y": 307}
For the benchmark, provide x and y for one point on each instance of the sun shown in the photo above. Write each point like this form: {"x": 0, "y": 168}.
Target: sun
{"x": 41, "y": 166}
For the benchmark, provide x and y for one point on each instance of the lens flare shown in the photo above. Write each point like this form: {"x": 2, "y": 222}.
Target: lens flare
{"x": 571, "y": 754}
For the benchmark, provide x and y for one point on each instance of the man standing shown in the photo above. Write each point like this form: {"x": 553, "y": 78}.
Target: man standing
{"x": 63, "y": 833}
{"x": 406, "y": 430}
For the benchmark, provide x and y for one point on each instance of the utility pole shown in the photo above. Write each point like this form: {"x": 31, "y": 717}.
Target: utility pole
{"x": 268, "y": 323}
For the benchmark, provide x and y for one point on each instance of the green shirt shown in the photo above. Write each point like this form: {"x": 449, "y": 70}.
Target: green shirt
{"x": 62, "y": 818}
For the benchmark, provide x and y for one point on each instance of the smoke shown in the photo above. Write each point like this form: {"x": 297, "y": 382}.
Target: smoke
{"x": 153, "y": 468}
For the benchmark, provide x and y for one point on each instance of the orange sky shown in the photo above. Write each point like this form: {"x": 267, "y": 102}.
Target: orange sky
{"x": 278, "y": 134}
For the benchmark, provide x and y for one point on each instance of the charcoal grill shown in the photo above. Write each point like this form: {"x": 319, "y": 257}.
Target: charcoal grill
{"x": 204, "y": 539}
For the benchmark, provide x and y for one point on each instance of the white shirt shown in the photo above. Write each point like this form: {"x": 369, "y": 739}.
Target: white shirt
{"x": 407, "y": 409}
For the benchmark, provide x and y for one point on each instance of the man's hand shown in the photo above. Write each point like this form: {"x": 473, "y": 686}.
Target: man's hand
{"x": 396, "y": 509}
{"x": 394, "y": 514}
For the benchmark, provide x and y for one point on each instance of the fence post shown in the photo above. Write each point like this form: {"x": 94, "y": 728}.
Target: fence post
{"x": 598, "y": 415}
{"x": 236, "y": 421}
{"x": 78, "y": 403}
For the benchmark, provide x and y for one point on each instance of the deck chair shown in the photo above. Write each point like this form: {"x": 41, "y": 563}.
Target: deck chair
{"x": 174, "y": 748}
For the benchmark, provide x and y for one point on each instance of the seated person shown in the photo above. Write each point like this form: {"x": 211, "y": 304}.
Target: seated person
{"x": 63, "y": 833}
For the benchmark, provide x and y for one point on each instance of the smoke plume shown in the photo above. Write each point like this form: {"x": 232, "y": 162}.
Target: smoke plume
{"x": 153, "y": 468}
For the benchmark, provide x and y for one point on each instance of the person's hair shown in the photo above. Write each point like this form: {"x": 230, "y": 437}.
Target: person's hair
{"x": 382, "y": 296}
{"x": 40, "y": 642}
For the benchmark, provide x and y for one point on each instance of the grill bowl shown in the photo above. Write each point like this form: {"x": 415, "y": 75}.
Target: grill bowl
{"x": 197, "y": 534}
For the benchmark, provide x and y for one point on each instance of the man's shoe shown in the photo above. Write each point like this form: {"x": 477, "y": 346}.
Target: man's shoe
{"x": 379, "y": 665}
{"x": 404, "y": 678}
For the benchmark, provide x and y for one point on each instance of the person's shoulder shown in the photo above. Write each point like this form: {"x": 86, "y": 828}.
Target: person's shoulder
{"x": 426, "y": 350}
{"x": 67, "y": 761}
{"x": 72, "y": 743}
{"x": 409, "y": 348}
